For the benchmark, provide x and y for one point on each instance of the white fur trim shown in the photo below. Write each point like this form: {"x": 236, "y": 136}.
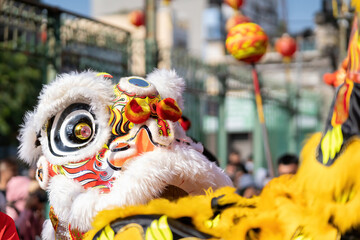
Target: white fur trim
{"x": 125, "y": 85}
{"x": 112, "y": 155}
{"x": 67, "y": 89}
{"x": 28, "y": 151}
{"x": 181, "y": 135}
{"x": 62, "y": 192}
{"x": 44, "y": 164}
{"x": 48, "y": 232}
{"x": 194, "y": 172}
{"x": 151, "y": 172}
{"x": 168, "y": 84}
{"x": 82, "y": 210}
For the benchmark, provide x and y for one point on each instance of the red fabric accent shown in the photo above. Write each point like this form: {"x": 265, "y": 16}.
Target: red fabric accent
{"x": 7, "y": 229}
{"x": 185, "y": 123}
{"x": 163, "y": 127}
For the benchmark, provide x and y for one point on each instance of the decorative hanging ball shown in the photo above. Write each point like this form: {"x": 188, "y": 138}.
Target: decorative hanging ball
{"x": 235, "y": 4}
{"x": 137, "y": 18}
{"x": 286, "y": 46}
{"x": 235, "y": 20}
{"x": 166, "y": 2}
{"x": 247, "y": 42}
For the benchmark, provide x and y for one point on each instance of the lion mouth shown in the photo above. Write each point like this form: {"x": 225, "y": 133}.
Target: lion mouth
{"x": 120, "y": 147}
{"x": 120, "y": 151}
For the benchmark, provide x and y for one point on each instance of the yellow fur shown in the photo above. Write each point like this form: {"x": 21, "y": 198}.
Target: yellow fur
{"x": 319, "y": 202}
{"x": 336, "y": 187}
{"x": 198, "y": 207}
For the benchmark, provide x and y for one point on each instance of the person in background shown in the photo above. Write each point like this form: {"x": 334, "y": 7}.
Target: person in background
{"x": 8, "y": 169}
{"x": 7, "y": 228}
{"x": 30, "y": 221}
{"x": 234, "y": 165}
{"x": 246, "y": 186}
{"x": 287, "y": 164}
{"x": 17, "y": 191}
{"x": 234, "y": 158}
{"x": 249, "y": 164}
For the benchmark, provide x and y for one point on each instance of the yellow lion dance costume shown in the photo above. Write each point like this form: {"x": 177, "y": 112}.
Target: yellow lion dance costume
{"x": 322, "y": 201}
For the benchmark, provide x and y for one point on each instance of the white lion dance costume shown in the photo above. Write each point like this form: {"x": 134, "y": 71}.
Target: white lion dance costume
{"x": 99, "y": 145}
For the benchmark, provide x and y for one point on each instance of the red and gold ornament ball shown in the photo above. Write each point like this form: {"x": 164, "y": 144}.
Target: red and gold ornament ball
{"x": 247, "y": 42}
{"x": 235, "y": 20}
{"x": 235, "y": 4}
{"x": 286, "y": 46}
{"x": 137, "y": 18}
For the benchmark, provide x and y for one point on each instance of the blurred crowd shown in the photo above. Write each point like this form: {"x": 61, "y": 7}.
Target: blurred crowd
{"x": 22, "y": 199}
{"x": 248, "y": 182}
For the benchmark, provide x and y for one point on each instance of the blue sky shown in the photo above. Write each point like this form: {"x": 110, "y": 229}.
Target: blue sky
{"x": 300, "y": 12}
{"x": 78, "y": 6}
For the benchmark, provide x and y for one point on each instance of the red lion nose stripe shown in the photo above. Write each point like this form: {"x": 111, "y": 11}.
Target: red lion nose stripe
{"x": 135, "y": 107}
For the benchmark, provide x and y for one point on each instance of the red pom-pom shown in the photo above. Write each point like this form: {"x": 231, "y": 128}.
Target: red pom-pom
{"x": 185, "y": 123}
{"x": 168, "y": 109}
{"x": 137, "y": 110}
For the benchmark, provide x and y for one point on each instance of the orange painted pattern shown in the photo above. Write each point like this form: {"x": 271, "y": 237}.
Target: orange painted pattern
{"x": 142, "y": 144}
{"x": 88, "y": 172}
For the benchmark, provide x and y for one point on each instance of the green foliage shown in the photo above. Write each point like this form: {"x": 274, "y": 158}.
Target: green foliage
{"x": 20, "y": 83}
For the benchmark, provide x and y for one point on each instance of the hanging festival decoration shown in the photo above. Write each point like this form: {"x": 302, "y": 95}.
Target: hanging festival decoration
{"x": 286, "y": 46}
{"x": 166, "y": 2}
{"x": 236, "y": 19}
{"x": 235, "y": 4}
{"x": 137, "y": 18}
{"x": 247, "y": 42}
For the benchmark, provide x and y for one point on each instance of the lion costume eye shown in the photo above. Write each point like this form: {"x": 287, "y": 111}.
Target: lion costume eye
{"x": 72, "y": 129}
{"x": 83, "y": 131}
